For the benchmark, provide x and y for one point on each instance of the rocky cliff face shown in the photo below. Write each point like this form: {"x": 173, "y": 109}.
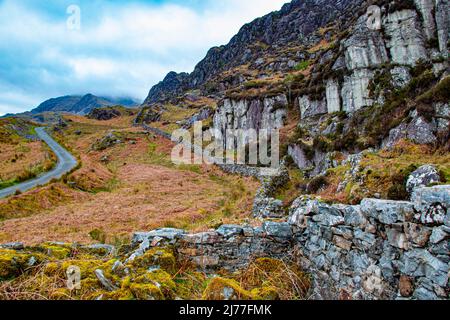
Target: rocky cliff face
{"x": 321, "y": 55}
{"x": 294, "y": 25}
{"x": 266, "y": 113}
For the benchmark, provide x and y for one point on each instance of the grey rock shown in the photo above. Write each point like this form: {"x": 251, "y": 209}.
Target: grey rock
{"x": 388, "y": 211}
{"x": 169, "y": 234}
{"x": 354, "y": 217}
{"x": 432, "y": 204}
{"x": 32, "y": 261}
{"x": 421, "y": 131}
{"x": 310, "y": 108}
{"x": 278, "y": 230}
{"x": 13, "y": 246}
{"x": 420, "y": 263}
{"x": 439, "y": 234}
{"x": 228, "y": 231}
{"x": 422, "y": 293}
{"x": 404, "y": 37}
{"x": 400, "y": 76}
{"x": 422, "y": 177}
{"x": 267, "y": 113}
{"x": 328, "y": 220}
{"x": 441, "y": 249}
{"x": 364, "y": 240}
{"x": 268, "y": 208}
{"x": 343, "y": 231}
{"x": 106, "y": 283}
{"x": 427, "y": 290}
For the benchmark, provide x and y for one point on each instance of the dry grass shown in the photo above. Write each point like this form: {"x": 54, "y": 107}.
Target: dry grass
{"x": 137, "y": 189}
{"x": 17, "y": 160}
{"x": 380, "y": 169}
{"x": 286, "y": 279}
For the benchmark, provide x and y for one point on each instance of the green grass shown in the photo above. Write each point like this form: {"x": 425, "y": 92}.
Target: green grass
{"x": 302, "y": 66}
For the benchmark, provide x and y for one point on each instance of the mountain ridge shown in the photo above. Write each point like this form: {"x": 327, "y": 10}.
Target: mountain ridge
{"x": 80, "y": 104}
{"x": 294, "y": 22}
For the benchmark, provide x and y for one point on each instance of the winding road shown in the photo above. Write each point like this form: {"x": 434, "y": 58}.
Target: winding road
{"x": 66, "y": 162}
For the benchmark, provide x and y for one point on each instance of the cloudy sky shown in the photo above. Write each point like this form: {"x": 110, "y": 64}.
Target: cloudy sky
{"x": 121, "y": 49}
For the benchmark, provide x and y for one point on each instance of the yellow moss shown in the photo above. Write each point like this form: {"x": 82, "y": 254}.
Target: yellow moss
{"x": 52, "y": 268}
{"x": 265, "y": 293}
{"x": 118, "y": 295}
{"x": 146, "y": 291}
{"x": 161, "y": 279}
{"x": 226, "y": 289}
{"x": 164, "y": 258}
{"x": 12, "y": 263}
{"x": 190, "y": 285}
{"x": 57, "y": 252}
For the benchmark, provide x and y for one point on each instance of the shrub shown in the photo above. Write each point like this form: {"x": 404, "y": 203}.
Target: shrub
{"x": 98, "y": 235}
{"x": 398, "y": 189}
{"x": 316, "y": 184}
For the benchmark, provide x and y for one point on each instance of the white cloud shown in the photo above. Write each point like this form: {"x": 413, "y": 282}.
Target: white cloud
{"x": 124, "y": 50}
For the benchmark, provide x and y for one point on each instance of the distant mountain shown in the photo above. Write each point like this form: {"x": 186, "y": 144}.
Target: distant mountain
{"x": 81, "y": 104}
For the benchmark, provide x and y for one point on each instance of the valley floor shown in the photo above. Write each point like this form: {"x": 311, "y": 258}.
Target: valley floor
{"x": 127, "y": 186}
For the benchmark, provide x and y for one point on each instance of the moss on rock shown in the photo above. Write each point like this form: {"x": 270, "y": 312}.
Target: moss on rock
{"x": 226, "y": 289}
{"x": 12, "y": 264}
{"x": 59, "y": 252}
{"x": 161, "y": 257}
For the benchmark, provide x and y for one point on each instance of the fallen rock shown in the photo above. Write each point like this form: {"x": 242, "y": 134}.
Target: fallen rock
{"x": 108, "y": 141}
{"x": 106, "y": 283}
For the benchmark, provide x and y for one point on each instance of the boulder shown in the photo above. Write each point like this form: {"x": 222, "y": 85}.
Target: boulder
{"x": 104, "y": 114}
{"x": 422, "y": 177}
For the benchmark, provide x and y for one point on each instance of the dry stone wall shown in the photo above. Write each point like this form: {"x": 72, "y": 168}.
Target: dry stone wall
{"x": 379, "y": 249}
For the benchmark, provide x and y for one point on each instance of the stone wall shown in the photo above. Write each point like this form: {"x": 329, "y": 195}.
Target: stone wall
{"x": 157, "y": 131}
{"x": 377, "y": 250}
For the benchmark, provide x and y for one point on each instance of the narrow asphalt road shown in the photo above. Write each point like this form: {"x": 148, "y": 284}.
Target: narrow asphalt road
{"x": 66, "y": 162}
